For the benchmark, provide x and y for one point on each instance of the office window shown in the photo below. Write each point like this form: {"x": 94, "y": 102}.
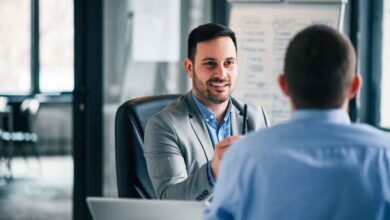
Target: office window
{"x": 15, "y": 19}
{"x": 56, "y": 46}
{"x": 385, "y": 83}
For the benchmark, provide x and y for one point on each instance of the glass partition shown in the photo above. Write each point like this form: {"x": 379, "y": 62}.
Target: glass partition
{"x": 140, "y": 62}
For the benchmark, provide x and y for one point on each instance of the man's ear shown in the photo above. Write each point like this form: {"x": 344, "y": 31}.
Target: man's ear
{"x": 188, "y": 67}
{"x": 282, "y": 84}
{"x": 357, "y": 82}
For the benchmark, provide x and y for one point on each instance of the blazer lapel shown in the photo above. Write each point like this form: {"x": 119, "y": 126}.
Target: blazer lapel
{"x": 200, "y": 130}
{"x": 237, "y": 121}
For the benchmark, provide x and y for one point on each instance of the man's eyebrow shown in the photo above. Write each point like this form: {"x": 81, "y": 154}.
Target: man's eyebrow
{"x": 231, "y": 58}
{"x": 209, "y": 59}
{"x": 213, "y": 59}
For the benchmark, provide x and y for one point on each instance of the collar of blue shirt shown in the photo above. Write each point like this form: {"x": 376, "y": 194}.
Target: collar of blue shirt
{"x": 337, "y": 116}
{"x": 208, "y": 115}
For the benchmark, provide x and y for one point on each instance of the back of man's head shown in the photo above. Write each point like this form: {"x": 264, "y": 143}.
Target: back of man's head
{"x": 319, "y": 68}
{"x": 207, "y": 32}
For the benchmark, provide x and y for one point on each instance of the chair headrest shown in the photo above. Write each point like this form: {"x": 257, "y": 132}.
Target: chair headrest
{"x": 3, "y": 102}
{"x": 31, "y": 105}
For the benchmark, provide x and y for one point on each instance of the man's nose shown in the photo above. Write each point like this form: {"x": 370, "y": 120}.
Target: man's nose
{"x": 221, "y": 71}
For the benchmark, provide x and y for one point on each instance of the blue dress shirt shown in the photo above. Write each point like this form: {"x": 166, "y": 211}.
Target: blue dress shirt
{"x": 318, "y": 166}
{"x": 217, "y": 131}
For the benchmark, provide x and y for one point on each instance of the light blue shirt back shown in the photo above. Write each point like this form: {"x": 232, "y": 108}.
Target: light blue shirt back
{"x": 318, "y": 166}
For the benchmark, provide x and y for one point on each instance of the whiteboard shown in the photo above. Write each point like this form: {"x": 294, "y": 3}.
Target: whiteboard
{"x": 263, "y": 31}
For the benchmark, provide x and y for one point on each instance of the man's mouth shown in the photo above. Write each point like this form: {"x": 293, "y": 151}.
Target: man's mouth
{"x": 219, "y": 84}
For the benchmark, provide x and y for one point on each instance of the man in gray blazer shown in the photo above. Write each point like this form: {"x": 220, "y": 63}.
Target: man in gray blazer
{"x": 184, "y": 142}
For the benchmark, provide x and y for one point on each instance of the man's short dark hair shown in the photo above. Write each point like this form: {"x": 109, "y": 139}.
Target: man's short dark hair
{"x": 207, "y": 32}
{"x": 319, "y": 68}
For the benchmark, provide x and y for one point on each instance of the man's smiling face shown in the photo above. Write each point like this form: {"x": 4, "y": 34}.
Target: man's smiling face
{"x": 214, "y": 70}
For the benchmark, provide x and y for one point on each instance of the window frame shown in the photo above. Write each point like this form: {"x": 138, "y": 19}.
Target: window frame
{"x": 56, "y": 97}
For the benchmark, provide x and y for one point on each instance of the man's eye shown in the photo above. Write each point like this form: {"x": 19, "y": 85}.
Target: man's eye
{"x": 209, "y": 64}
{"x": 229, "y": 62}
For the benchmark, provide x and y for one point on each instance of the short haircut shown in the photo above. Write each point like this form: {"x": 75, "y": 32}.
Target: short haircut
{"x": 207, "y": 32}
{"x": 319, "y": 68}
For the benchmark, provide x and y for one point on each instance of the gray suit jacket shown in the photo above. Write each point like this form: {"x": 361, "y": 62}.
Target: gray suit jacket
{"x": 177, "y": 147}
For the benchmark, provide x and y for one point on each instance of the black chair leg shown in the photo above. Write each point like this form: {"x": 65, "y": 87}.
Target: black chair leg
{"x": 8, "y": 156}
{"x": 23, "y": 150}
{"x": 34, "y": 148}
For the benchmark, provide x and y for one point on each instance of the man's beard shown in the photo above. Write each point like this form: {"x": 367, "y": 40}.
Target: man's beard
{"x": 205, "y": 92}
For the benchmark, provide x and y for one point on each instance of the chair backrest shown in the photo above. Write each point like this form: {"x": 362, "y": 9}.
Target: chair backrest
{"x": 28, "y": 113}
{"x": 3, "y": 103}
{"x": 23, "y": 115}
{"x": 130, "y": 121}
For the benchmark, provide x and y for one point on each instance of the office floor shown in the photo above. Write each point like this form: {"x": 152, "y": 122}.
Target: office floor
{"x": 38, "y": 190}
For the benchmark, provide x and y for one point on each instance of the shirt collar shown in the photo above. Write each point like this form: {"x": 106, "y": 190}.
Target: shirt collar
{"x": 207, "y": 114}
{"x": 337, "y": 116}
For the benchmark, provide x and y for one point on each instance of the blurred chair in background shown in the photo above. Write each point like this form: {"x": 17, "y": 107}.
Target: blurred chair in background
{"x": 20, "y": 135}
{"x": 5, "y": 123}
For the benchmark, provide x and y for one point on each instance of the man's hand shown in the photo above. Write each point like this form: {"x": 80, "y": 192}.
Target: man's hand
{"x": 220, "y": 149}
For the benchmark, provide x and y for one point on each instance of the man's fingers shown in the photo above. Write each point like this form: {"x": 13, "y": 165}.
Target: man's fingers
{"x": 227, "y": 142}
{"x": 232, "y": 138}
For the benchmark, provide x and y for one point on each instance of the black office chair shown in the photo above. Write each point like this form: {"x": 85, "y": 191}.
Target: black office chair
{"x": 20, "y": 135}
{"x": 22, "y": 132}
{"x": 130, "y": 121}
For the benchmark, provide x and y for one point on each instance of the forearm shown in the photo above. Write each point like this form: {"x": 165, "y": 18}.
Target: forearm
{"x": 177, "y": 168}
{"x": 195, "y": 187}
